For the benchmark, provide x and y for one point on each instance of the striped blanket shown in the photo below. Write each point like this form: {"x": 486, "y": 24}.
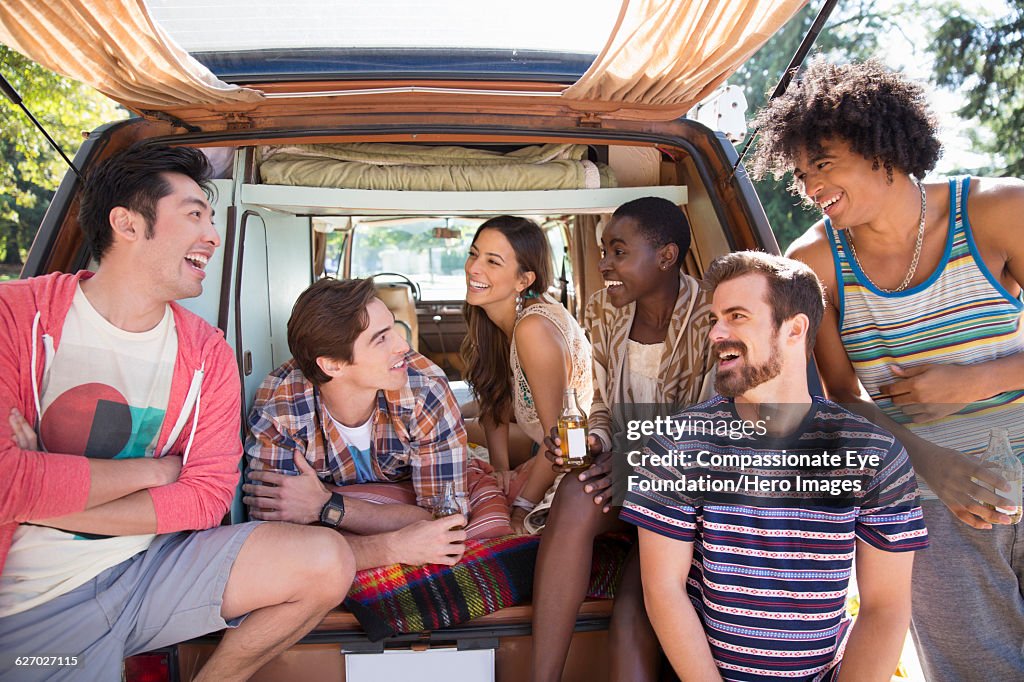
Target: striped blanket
{"x": 493, "y": 574}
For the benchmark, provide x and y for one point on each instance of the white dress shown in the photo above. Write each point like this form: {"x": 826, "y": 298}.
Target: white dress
{"x": 643, "y": 362}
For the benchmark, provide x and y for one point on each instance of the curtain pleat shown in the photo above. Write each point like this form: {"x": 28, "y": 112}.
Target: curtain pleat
{"x": 117, "y": 48}
{"x": 667, "y": 55}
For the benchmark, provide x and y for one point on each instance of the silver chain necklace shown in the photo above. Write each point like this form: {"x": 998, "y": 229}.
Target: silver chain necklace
{"x": 917, "y": 249}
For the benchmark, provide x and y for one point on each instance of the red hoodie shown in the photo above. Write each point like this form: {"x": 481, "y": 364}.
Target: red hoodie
{"x": 41, "y": 485}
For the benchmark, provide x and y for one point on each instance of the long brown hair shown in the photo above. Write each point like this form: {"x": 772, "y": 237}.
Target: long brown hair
{"x": 485, "y": 350}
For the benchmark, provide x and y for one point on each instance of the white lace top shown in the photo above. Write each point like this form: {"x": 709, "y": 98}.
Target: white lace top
{"x": 643, "y": 362}
{"x": 580, "y": 375}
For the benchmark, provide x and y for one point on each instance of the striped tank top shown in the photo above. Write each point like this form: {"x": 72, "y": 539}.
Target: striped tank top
{"x": 960, "y": 315}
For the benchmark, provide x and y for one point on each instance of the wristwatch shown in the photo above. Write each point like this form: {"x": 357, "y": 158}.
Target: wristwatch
{"x": 333, "y": 511}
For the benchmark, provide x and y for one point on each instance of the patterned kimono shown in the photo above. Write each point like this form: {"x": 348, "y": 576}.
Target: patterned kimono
{"x": 685, "y": 375}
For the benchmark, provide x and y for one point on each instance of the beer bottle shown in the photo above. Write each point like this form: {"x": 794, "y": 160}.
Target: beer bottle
{"x": 572, "y": 431}
{"x": 1000, "y": 454}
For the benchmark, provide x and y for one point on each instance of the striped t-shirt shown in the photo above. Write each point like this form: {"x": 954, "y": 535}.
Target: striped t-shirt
{"x": 771, "y": 567}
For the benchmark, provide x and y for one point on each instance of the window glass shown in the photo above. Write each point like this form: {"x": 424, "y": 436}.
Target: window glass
{"x": 555, "y": 230}
{"x": 430, "y": 251}
{"x": 580, "y": 26}
{"x": 246, "y": 39}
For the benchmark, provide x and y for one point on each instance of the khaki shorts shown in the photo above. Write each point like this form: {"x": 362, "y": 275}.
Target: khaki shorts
{"x": 167, "y": 594}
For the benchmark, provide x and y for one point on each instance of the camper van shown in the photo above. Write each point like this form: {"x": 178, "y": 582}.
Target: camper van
{"x": 370, "y": 140}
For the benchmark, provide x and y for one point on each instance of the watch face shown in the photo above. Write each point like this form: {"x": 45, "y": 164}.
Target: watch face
{"x": 332, "y": 515}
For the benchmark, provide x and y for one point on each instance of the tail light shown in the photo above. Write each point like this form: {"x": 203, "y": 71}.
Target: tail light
{"x": 153, "y": 667}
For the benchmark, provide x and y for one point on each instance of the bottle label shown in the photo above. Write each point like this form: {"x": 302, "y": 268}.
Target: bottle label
{"x": 577, "y": 442}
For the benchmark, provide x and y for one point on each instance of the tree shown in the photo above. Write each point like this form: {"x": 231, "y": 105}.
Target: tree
{"x": 852, "y": 32}
{"x": 30, "y": 169}
{"x": 981, "y": 59}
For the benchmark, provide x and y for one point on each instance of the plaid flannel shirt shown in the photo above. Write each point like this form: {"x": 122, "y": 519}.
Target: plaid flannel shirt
{"x": 418, "y": 432}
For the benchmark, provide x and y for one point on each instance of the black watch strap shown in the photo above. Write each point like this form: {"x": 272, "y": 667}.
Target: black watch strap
{"x": 333, "y": 512}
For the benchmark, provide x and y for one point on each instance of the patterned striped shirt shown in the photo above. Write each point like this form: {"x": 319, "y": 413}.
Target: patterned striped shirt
{"x": 771, "y": 567}
{"x": 960, "y": 315}
{"x": 418, "y": 432}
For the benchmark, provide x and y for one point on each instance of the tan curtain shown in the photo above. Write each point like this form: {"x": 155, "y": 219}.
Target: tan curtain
{"x": 667, "y": 55}
{"x": 117, "y": 48}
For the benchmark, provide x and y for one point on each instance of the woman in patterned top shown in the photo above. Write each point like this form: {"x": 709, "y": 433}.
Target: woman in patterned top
{"x": 521, "y": 352}
{"x": 649, "y": 328}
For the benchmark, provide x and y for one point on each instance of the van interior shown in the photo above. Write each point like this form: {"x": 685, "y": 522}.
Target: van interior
{"x": 278, "y": 237}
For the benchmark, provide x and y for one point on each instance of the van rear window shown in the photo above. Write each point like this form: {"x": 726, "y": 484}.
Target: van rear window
{"x": 250, "y": 40}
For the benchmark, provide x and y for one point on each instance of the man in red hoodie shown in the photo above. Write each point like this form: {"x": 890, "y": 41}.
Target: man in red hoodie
{"x": 95, "y": 559}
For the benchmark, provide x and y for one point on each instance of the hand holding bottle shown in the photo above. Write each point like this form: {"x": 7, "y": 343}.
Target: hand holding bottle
{"x": 999, "y": 456}
{"x": 572, "y": 433}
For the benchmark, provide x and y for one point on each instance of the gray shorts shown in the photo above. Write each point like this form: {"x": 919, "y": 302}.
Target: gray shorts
{"x": 167, "y": 594}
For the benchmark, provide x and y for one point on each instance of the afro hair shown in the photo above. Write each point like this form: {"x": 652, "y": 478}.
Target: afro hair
{"x": 881, "y": 114}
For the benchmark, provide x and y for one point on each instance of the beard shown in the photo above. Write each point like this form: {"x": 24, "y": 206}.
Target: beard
{"x": 736, "y": 382}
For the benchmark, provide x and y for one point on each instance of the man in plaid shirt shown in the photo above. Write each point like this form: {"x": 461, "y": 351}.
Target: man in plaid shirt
{"x": 355, "y": 405}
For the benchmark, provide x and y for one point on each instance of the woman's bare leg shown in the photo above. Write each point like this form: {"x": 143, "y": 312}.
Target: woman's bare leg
{"x": 635, "y": 654}
{"x": 563, "y": 574}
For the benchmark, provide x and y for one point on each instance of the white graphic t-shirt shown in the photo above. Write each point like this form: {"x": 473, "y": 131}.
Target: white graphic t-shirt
{"x": 104, "y": 395}
{"x": 359, "y": 440}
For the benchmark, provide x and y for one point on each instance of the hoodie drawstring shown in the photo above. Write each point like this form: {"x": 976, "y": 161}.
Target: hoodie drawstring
{"x": 195, "y": 419}
{"x": 35, "y": 362}
{"x": 191, "y": 402}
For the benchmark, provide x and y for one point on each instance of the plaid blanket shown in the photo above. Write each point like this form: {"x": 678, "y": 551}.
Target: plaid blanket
{"x": 493, "y": 574}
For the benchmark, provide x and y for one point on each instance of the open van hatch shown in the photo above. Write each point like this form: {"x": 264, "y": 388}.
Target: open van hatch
{"x": 620, "y": 100}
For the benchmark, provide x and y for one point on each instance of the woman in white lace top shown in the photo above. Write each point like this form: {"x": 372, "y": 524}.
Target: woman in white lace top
{"x": 522, "y": 351}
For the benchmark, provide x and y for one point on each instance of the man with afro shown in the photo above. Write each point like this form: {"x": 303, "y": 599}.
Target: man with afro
{"x": 921, "y": 333}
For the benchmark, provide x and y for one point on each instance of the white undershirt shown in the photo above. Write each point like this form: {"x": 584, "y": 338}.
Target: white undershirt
{"x": 359, "y": 440}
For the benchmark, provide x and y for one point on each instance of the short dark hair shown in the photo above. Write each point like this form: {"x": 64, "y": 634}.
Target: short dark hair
{"x": 134, "y": 178}
{"x": 660, "y": 221}
{"x": 883, "y": 116}
{"x": 793, "y": 287}
{"x": 326, "y": 320}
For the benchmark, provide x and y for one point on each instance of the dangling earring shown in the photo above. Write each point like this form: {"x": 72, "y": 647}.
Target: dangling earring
{"x": 519, "y": 304}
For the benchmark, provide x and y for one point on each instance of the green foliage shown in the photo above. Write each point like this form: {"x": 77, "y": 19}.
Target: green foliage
{"x": 851, "y": 32}
{"x": 981, "y": 59}
{"x": 453, "y": 260}
{"x": 30, "y": 169}
{"x": 414, "y": 239}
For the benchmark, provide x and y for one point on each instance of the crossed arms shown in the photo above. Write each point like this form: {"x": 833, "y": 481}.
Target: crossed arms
{"x": 130, "y": 496}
